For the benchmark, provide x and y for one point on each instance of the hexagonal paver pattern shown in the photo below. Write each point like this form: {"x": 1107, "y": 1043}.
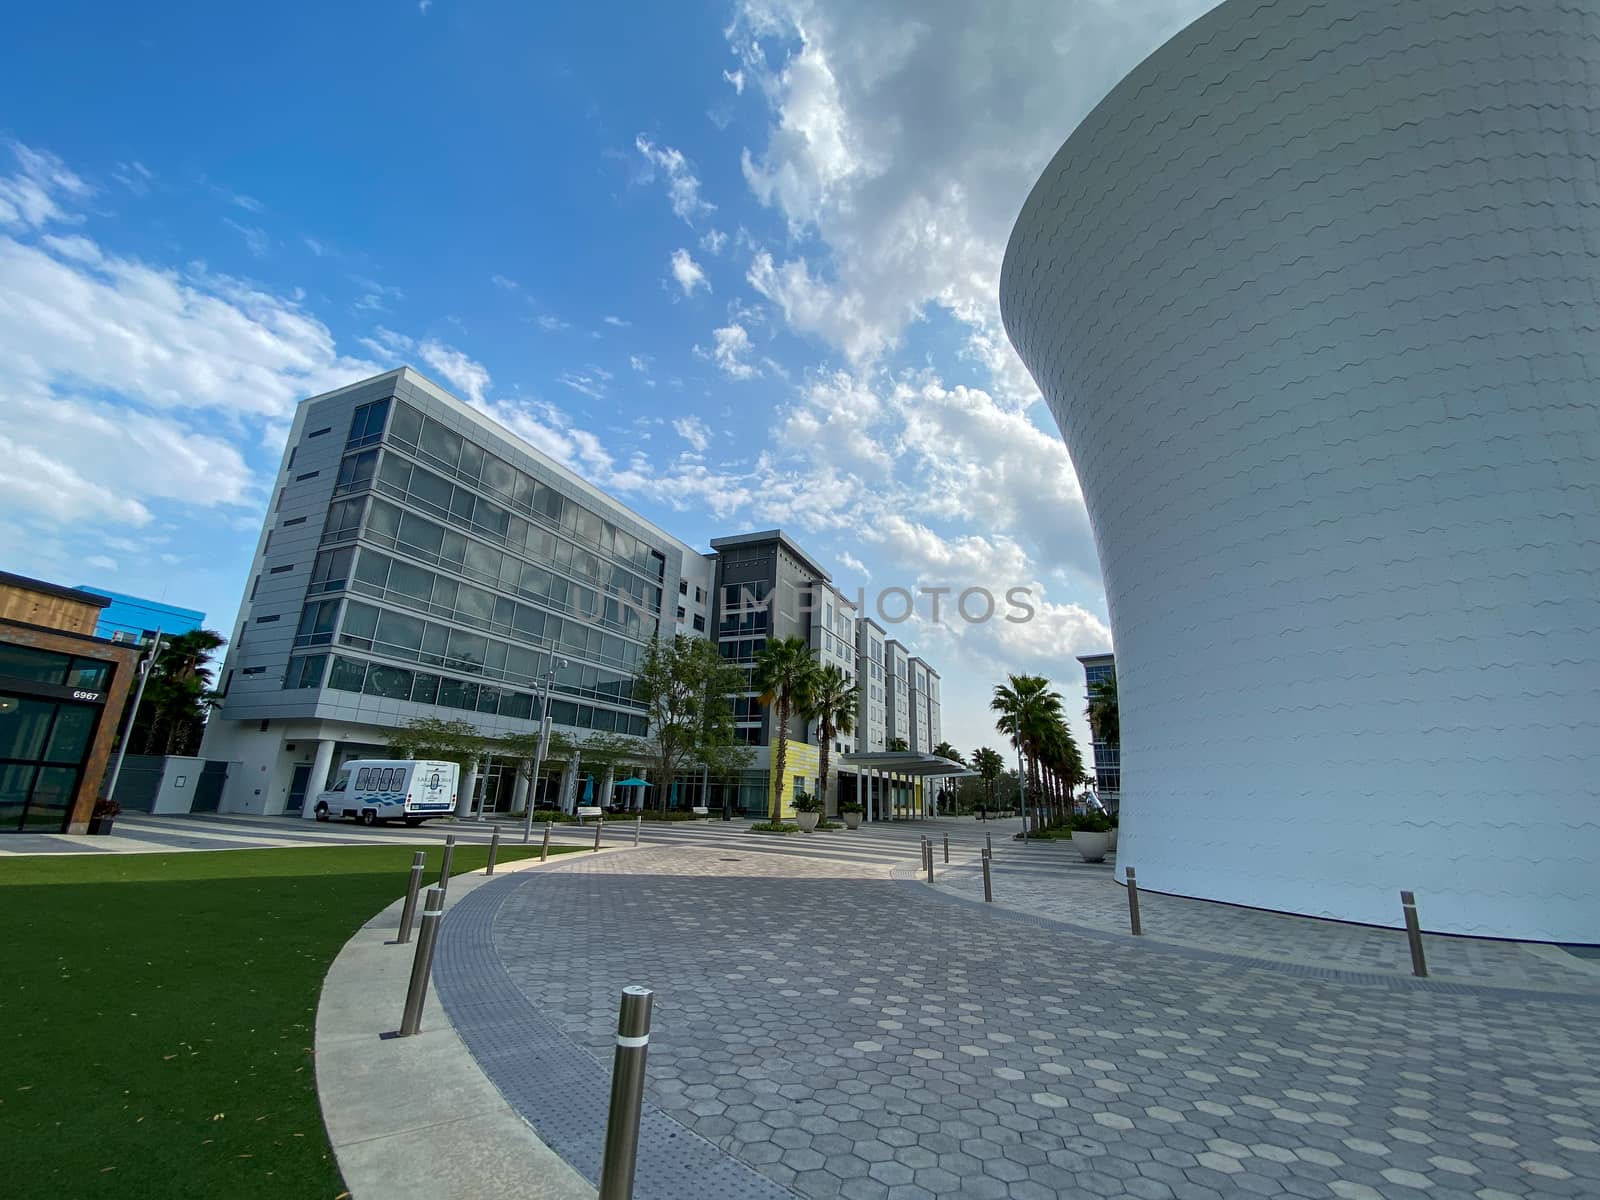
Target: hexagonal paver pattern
{"x": 768, "y": 1043}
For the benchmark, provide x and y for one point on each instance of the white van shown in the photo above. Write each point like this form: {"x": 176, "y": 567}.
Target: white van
{"x": 390, "y": 789}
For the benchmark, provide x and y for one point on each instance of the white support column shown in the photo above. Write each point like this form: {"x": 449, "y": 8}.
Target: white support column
{"x": 607, "y": 780}
{"x": 469, "y": 786}
{"x": 520, "y": 798}
{"x": 317, "y": 781}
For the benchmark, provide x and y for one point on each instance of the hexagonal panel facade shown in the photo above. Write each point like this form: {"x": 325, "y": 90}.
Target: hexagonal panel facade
{"x": 1312, "y": 296}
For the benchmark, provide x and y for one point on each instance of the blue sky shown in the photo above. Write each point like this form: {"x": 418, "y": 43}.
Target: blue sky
{"x": 735, "y": 263}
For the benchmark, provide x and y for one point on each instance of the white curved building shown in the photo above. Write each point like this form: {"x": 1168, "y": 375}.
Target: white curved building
{"x": 1313, "y": 297}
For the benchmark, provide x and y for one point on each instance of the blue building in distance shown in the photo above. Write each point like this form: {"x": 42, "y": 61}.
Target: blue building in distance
{"x": 135, "y": 619}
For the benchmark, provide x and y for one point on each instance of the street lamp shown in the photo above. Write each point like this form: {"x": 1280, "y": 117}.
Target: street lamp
{"x": 546, "y": 682}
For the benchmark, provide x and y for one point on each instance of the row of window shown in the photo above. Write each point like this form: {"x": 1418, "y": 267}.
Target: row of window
{"x": 466, "y": 460}
{"x": 418, "y": 537}
{"x": 420, "y": 687}
{"x": 384, "y": 578}
{"x": 397, "y": 635}
{"x": 46, "y": 666}
{"x": 734, "y": 624}
{"x": 423, "y": 489}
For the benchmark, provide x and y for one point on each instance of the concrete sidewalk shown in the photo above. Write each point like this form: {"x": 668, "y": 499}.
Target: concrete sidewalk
{"x": 416, "y": 1117}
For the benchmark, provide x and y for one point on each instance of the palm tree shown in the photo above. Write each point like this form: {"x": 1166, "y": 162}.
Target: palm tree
{"x": 178, "y": 693}
{"x": 1102, "y": 711}
{"x": 782, "y": 673}
{"x": 946, "y": 750}
{"x": 831, "y": 700}
{"x": 988, "y": 764}
{"x": 898, "y": 744}
{"x": 1029, "y": 712}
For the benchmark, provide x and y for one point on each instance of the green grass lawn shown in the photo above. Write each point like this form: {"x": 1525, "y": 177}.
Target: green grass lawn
{"x": 157, "y": 1013}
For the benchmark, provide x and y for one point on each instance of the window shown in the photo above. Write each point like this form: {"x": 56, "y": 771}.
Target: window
{"x": 360, "y": 621}
{"x": 683, "y": 587}
{"x": 268, "y": 620}
{"x": 316, "y": 628}
{"x": 366, "y": 426}
{"x": 355, "y": 472}
{"x": 283, "y": 570}
{"x": 306, "y": 476}
{"x": 24, "y": 662}
{"x": 344, "y": 518}
{"x": 699, "y": 623}
{"x": 253, "y": 671}
{"x": 305, "y": 671}
{"x": 364, "y": 779}
{"x": 406, "y": 424}
{"x": 330, "y": 571}
{"x": 320, "y": 432}
{"x": 347, "y": 675}
{"x": 294, "y": 521}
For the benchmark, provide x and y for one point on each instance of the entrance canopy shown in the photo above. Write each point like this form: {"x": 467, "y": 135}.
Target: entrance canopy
{"x": 905, "y": 762}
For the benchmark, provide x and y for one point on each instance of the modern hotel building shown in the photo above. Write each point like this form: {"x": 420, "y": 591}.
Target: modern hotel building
{"x": 421, "y": 560}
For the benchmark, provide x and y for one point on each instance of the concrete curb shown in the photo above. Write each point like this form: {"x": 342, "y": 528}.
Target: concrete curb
{"x": 417, "y": 1117}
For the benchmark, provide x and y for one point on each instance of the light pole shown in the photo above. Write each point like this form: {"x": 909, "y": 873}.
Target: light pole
{"x": 546, "y": 682}
{"x": 1022, "y": 791}
{"x": 145, "y": 668}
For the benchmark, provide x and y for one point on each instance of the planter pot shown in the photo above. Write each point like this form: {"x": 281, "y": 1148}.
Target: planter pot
{"x": 1113, "y": 836}
{"x": 807, "y": 821}
{"x": 852, "y": 820}
{"x": 101, "y": 825}
{"x": 1091, "y": 847}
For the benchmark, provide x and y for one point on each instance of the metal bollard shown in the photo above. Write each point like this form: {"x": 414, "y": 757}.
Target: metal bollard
{"x": 638, "y": 824}
{"x": 988, "y": 844}
{"x": 544, "y": 851}
{"x": 598, "y": 822}
{"x": 947, "y": 847}
{"x": 444, "y": 867}
{"x": 988, "y": 885}
{"x": 422, "y": 963}
{"x": 1408, "y": 905}
{"x": 627, "y": 1094}
{"x": 928, "y": 857}
{"x": 1133, "y": 904}
{"x": 408, "y": 911}
{"x": 494, "y": 851}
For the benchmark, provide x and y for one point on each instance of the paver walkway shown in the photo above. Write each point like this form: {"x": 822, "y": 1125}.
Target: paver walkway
{"x": 834, "y": 1032}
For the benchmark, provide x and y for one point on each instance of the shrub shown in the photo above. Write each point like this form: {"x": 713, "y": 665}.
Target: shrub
{"x": 774, "y": 827}
{"x": 1093, "y": 821}
{"x": 106, "y": 808}
{"x": 826, "y": 824}
{"x": 851, "y": 807}
{"x": 807, "y": 803}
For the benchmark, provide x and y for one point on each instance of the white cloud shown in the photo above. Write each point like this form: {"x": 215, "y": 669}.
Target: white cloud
{"x": 255, "y": 239}
{"x": 683, "y": 187}
{"x": 694, "y": 431}
{"x": 713, "y": 240}
{"x": 731, "y": 344}
{"x": 737, "y": 79}
{"x": 423, "y": 6}
{"x": 249, "y": 203}
{"x": 551, "y": 324}
{"x": 375, "y": 296}
{"x": 639, "y": 363}
{"x": 134, "y": 176}
{"x": 320, "y": 249}
{"x": 897, "y": 144}
{"x": 29, "y": 199}
{"x": 688, "y": 272}
{"x": 589, "y": 383}
{"x": 852, "y": 563}
{"x": 618, "y": 322}
{"x": 101, "y": 562}
{"x": 505, "y": 284}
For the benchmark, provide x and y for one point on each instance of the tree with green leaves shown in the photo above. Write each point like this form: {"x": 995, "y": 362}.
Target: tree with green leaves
{"x": 448, "y": 741}
{"x": 988, "y": 764}
{"x": 1029, "y": 712}
{"x": 783, "y": 673}
{"x": 898, "y": 744}
{"x": 831, "y": 700}
{"x": 523, "y": 748}
{"x": 178, "y": 694}
{"x": 686, "y": 687}
{"x": 1104, "y": 720}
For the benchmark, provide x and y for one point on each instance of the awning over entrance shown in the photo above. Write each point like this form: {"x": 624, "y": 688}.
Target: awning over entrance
{"x": 904, "y": 762}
